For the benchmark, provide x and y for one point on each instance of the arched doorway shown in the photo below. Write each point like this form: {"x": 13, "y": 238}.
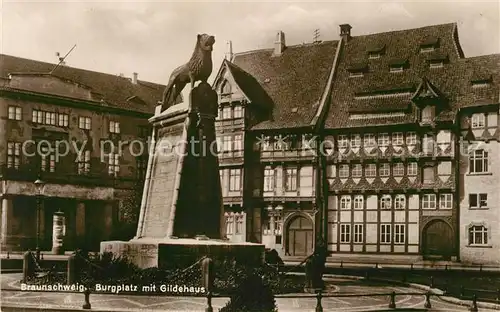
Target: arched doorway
{"x": 300, "y": 236}
{"x": 437, "y": 242}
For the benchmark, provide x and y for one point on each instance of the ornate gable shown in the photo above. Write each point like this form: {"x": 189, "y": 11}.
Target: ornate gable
{"x": 426, "y": 93}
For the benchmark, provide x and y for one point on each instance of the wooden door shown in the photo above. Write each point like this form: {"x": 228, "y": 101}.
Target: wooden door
{"x": 300, "y": 237}
{"x": 438, "y": 240}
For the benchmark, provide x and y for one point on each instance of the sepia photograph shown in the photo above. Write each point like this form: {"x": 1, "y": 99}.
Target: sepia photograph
{"x": 249, "y": 156}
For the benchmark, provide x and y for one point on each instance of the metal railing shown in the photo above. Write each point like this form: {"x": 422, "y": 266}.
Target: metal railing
{"x": 391, "y": 304}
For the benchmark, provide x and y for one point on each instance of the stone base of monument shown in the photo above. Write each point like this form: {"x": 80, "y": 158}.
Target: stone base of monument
{"x": 182, "y": 252}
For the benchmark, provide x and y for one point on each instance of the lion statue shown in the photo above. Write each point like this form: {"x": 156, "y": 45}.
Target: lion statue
{"x": 198, "y": 68}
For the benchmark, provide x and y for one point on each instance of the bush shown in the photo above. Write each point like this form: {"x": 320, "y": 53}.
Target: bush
{"x": 252, "y": 295}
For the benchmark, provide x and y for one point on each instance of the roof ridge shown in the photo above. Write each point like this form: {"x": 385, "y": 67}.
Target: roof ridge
{"x": 405, "y": 29}
{"x": 298, "y": 45}
{"x": 71, "y": 67}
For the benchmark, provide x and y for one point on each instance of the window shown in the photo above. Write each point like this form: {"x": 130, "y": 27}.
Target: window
{"x": 37, "y": 116}
{"x": 141, "y": 165}
{"x": 369, "y": 140}
{"x": 278, "y": 225}
{"x": 114, "y": 164}
{"x": 239, "y": 224}
{"x": 412, "y": 169}
{"x": 48, "y": 160}
{"x": 428, "y": 114}
{"x": 478, "y": 121}
{"x": 358, "y": 233}
{"x": 114, "y": 127}
{"x": 399, "y": 233}
{"x": 265, "y": 143}
{"x": 385, "y": 233}
{"x": 345, "y": 202}
{"x": 358, "y": 202}
{"x": 343, "y": 141}
{"x": 428, "y": 176}
{"x": 238, "y": 146}
{"x": 15, "y": 113}
{"x": 229, "y": 224}
{"x": 428, "y": 146}
{"x": 356, "y": 74}
{"x": 478, "y": 161}
{"x": 411, "y": 138}
{"x": 344, "y": 171}
{"x": 50, "y": 118}
{"x": 436, "y": 64}
{"x": 400, "y": 202}
{"x": 357, "y": 171}
{"x": 355, "y": 140}
{"x": 445, "y": 201}
{"x": 345, "y": 233}
{"x": 83, "y": 161}
{"x": 278, "y": 143}
{"x": 371, "y": 170}
{"x": 234, "y": 179}
{"x": 238, "y": 111}
{"x": 386, "y": 202}
{"x": 63, "y": 120}
{"x": 268, "y": 180}
{"x": 396, "y": 69}
{"x": 13, "y": 155}
{"x": 398, "y": 170}
{"x": 373, "y": 55}
{"x": 226, "y": 143}
{"x": 226, "y": 112}
{"x": 397, "y": 139}
{"x": 383, "y": 139}
{"x": 84, "y": 123}
{"x": 291, "y": 179}
{"x": 384, "y": 170}
{"x": 426, "y": 49}
{"x": 477, "y": 201}
{"x": 429, "y": 201}
{"x": 478, "y": 235}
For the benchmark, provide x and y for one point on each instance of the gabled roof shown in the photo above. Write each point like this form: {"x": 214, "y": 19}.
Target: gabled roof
{"x": 293, "y": 82}
{"x": 402, "y": 44}
{"x": 114, "y": 90}
{"x": 426, "y": 90}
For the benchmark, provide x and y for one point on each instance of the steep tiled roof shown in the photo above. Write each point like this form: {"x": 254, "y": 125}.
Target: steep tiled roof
{"x": 294, "y": 81}
{"x": 115, "y": 90}
{"x": 402, "y": 45}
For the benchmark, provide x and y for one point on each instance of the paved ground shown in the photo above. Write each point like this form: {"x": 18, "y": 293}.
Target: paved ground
{"x": 13, "y": 296}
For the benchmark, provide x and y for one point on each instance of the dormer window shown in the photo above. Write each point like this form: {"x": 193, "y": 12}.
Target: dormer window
{"x": 357, "y": 70}
{"x": 397, "y": 65}
{"x": 481, "y": 81}
{"x": 396, "y": 69}
{"x": 429, "y": 44}
{"x": 427, "y": 49}
{"x": 356, "y": 74}
{"x": 375, "y": 51}
{"x": 436, "y": 64}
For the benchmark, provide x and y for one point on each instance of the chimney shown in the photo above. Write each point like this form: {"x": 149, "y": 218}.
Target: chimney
{"x": 345, "y": 32}
{"x": 134, "y": 78}
{"x": 279, "y": 44}
{"x": 229, "y": 51}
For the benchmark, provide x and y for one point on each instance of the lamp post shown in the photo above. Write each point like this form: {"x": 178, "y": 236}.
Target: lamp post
{"x": 39, "y": 185}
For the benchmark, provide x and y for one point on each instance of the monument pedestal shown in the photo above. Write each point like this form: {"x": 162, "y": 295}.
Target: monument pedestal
{"x": 182, "y": 197}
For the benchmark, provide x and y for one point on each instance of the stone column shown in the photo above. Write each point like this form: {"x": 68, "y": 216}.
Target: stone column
{"x": 6, "y": 224}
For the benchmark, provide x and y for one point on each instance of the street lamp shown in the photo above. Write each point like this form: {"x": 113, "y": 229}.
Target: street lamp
{"x": 39, "y": 184}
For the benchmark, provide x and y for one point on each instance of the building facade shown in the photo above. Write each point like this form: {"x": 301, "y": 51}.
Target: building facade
{"x": 84, "y": 134}
{"x": 382, "y": 144}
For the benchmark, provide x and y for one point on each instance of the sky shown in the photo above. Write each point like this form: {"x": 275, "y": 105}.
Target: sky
{"x": 154, "y": 37}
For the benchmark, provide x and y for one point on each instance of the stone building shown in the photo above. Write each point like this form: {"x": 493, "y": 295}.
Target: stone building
{"x": 404, "y": 133}
{"x": 65, "y": 126}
